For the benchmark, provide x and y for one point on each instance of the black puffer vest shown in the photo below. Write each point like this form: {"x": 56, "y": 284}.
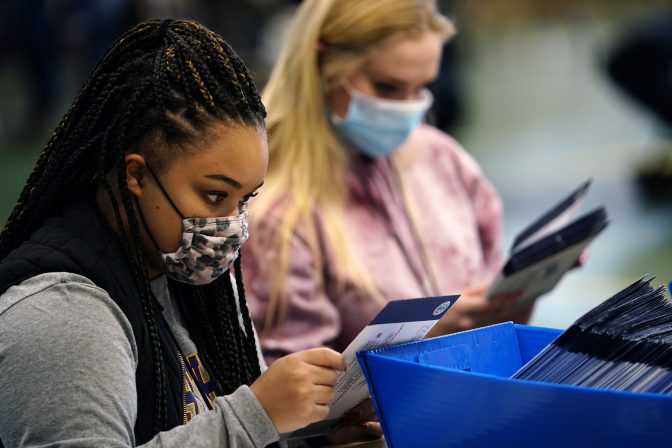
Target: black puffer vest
{"x": 80, "y": 241}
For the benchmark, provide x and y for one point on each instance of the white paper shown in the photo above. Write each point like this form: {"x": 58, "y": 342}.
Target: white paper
{"x": 351, "y": 388}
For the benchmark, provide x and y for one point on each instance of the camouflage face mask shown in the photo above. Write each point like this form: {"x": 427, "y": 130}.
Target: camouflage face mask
{"x": 208, "y": 249}
{"x": 209, "y": 245}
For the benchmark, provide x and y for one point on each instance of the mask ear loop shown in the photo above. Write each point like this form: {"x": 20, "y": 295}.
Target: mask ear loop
{"x": 165, "y": 194}
{"x": 144, "y": 223}
{"x": 347, "y": 86}
{"x": 142, "y": 215}
{"x": 333, "y": 115}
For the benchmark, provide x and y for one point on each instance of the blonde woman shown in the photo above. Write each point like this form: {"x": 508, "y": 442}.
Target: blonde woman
{"x": 363, "y": 203}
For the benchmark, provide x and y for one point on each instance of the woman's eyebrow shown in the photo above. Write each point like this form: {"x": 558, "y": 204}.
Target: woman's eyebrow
{"x": 234, "y": 183}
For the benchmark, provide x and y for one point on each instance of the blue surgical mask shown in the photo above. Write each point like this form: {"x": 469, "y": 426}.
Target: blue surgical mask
{"x": 377, "y": 127}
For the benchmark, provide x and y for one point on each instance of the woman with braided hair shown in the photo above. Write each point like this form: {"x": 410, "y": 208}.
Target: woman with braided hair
{"x": 123, "y": 318}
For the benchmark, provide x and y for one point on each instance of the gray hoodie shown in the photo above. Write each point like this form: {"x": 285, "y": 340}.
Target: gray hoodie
{"x": 67, "y": 373}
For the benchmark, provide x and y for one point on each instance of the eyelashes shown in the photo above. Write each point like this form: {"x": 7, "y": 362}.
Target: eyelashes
{"x": 390, "y": 90}
{"x": 215, "y": 198}
{"x": 247, "y": 198}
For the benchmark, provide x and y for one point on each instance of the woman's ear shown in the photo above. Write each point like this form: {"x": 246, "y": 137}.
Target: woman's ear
{"x": 135, "y": 173}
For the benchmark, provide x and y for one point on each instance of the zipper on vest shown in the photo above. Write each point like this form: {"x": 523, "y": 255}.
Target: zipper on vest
{"x": 183, "y": 375}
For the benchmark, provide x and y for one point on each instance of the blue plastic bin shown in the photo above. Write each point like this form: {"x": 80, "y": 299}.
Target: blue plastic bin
{"x": 454, "y": 391}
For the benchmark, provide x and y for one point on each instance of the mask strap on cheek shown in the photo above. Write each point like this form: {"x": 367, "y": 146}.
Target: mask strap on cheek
{"x": 348, "y": 87}
{"x": 165, "y": 194}
{"x": 144, "y": 224}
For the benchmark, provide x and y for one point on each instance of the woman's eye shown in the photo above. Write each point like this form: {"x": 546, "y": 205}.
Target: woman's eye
{"x": 383, "y": 88}
{"x": 246, "y": 199}
{"x": 215, "y": 197}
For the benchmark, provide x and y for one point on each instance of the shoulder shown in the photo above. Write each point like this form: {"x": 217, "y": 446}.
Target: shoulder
{"x": 68, "y": 362}
{"x": 42, "y": 283}
{"x": 53, "y": 285}
{"x": 60, "y": 307}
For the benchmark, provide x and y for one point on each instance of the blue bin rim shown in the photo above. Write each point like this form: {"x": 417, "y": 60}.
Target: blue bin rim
{"x": 380, "y": 353}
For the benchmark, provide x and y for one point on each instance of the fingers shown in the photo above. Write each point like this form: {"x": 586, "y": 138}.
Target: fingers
{"x": 322, "y": 395}
{"x": 472, "y": 303}
{"x": 296, "y": 389}
{"x": 470, "y": 311}
{"x": 476, "y": 290}
{"x": 324, "y": 357}
{"x": 320, "y": 412}
{"x": 323, "y": 376}
{"x": 473, "y": 308}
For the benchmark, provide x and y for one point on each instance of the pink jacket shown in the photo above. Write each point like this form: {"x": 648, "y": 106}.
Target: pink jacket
{"x": 459, "y": 217}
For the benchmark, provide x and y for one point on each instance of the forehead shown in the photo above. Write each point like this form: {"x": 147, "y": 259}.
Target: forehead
{"x": 238, "y": 151}
{"x": 410, "y": 58}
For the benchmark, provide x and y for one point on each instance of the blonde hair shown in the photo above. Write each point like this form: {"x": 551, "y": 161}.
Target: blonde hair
{"x": 307, "y": 163}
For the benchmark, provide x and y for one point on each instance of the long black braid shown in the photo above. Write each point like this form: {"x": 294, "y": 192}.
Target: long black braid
{"x": 166, "y": 81}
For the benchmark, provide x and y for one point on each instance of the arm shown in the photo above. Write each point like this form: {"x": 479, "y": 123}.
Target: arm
{"x": 67, "y": 363}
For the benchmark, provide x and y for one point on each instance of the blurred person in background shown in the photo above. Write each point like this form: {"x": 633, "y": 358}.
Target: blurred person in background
{"x": 55, "y": 39}
{"x": 447, "y": 88}
{"x": 364, "y": 203}
{"x": 641, "y": 65}
{"x": 48, "y": 48}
